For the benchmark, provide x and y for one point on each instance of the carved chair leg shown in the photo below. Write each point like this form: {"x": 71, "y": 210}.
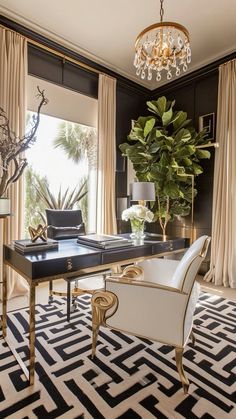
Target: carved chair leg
{"x": 180, "y": 368}
{"x": 95, "y": 331}
{"x": 101, "y": 302}
{"x": 192, "y": 337}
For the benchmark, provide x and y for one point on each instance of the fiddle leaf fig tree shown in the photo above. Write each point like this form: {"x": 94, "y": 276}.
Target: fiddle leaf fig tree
{"x": 163, "y": 148}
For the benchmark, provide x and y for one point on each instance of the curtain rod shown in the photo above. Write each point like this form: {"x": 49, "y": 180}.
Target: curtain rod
{"x": 227, "y": 62}
{"x": 59, "y": 54}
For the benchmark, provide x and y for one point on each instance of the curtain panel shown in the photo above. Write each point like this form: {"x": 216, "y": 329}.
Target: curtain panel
{"x": 106, "y": 213}
{"x": 223, "y": 250}
{"x": 13, "y": 72}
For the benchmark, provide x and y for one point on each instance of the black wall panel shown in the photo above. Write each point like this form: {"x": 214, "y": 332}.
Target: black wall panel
{"x": 77, "y": 79}
{"x": 45, "y": 65}
{"x": 197, "y": 97}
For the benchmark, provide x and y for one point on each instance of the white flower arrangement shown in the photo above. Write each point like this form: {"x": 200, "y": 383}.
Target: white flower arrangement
{"x": 138, "y": 212}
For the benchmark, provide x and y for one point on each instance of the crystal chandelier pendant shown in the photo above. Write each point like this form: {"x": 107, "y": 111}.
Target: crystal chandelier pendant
{"x": 162, "y": 46}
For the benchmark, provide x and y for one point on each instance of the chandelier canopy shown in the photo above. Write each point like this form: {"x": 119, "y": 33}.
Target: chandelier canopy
{"x": 162, "y": 46}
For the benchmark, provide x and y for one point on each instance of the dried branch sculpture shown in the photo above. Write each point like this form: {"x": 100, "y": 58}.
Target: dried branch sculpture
{"x": 12, "y": 147}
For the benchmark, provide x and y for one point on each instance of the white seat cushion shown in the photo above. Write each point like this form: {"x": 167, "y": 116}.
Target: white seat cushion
{"x": 91, "y": 284}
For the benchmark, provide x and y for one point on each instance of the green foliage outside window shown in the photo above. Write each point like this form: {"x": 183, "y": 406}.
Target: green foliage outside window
{"x": 39, "y": 197}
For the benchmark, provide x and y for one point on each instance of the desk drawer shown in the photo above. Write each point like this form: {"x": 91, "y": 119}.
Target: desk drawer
{"x": 64, "y": 265}
{"x": 169, "y": 246}
{"x": 118, "y": 255}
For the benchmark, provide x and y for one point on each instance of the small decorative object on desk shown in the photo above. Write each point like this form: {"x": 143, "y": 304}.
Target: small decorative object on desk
{"x": 38, "y": 233}
{"x": 137, "y": 214}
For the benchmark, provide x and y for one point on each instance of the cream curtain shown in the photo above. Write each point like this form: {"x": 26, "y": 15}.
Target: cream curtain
{"x": 106, "y": 214}
{"x": 223, "y": 249}
{"x": 13, "y": 72}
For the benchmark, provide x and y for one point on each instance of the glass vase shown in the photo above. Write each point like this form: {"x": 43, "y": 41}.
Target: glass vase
{"x": 137, "y": 228}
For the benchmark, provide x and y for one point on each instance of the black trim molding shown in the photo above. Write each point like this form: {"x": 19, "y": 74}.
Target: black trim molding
{"x": 193, "y": 76}
{"x": 121, "y": 80}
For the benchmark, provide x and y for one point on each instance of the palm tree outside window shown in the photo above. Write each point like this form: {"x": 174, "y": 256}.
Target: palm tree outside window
{"x": 62, "y": 171}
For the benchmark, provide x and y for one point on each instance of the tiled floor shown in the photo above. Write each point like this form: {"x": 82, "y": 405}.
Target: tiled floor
{"x": 42, "y": 293}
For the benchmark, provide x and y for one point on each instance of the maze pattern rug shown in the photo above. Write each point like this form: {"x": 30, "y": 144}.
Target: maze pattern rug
{"x": 130, "y": 378}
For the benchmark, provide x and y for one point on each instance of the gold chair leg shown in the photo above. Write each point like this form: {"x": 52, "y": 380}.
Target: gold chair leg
{"x": 180, "y": 368}
{"x": 95, "y": 330}
{"x": 4, "y": 301}
{"x": 192, "y": 337}
{"x": 101, "y": 302}
{"x": 32, "y": 333}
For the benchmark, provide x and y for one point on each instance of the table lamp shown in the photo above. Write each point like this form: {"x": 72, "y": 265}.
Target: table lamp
{"x": 142, "y": 192}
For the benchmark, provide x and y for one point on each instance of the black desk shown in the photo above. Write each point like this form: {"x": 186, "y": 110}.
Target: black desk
{"x": 70, "y": 261}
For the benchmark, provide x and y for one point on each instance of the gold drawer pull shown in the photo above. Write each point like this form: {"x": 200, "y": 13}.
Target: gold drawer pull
{"x": 69, "y": 264}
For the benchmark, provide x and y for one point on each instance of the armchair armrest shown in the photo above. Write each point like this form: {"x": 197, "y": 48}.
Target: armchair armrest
{"x": 148, "y": 310}
{"x": 139, "y": 282}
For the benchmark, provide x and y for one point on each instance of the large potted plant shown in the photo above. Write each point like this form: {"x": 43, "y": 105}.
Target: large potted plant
{"x": 164, "y": 148}
{"x": 12, "y": 148}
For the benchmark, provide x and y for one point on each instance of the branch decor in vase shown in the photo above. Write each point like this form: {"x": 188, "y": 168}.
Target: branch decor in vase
{"x": 12, "y": 148}
{"x": 138, "y": 215}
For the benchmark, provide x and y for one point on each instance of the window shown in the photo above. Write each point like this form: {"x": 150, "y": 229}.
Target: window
{"x": 62, "y": 167}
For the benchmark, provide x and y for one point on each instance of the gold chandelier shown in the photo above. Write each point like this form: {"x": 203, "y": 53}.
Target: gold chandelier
{"x": 162, "y": 46}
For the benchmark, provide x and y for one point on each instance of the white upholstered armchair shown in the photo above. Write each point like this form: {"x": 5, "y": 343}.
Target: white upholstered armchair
{"x": 155, "y": 300}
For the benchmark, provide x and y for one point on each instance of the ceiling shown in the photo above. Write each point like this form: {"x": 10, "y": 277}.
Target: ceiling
{"x": 105, "y": 30}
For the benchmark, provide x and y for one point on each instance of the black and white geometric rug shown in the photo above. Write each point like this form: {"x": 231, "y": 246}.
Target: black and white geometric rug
{"x": 130, "y": 378}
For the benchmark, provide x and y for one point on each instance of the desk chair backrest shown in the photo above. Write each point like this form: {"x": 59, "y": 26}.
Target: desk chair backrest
{"x": 64, "y": 224}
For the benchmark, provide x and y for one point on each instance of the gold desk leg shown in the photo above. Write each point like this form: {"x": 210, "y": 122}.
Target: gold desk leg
{"x": 4, "y": 300}
{"x": 32, "y": 333}
{"x": 180, "y": 368}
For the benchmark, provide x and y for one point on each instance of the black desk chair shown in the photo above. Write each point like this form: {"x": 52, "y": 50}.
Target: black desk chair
{"x": 68, "y": 224}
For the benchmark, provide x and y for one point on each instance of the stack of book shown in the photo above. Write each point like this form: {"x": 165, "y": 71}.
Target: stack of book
{"x": 27, "y": 246}
{"x": 104, "y": 241}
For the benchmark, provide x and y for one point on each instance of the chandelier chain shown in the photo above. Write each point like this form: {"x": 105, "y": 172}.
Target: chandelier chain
{"x": 161, "y": 10}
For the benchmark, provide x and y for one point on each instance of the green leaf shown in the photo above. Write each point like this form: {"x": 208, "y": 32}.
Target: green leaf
{"x": 180, "y": 118}
{"x": 123, "y": 148}
{"x": 184, "y": 151}
{"x": 154, "y": 148}
{"x": 166, "y": 117}
{"x": 152, "y": 107}
{"x": 187, "y": 161}
{"x": 172, "y": 190}
{"x": 203, "y": 154}
{"x": 197, "y": 169}
{"x": 159, "y": 133}
{"x": 170, "y": 104}
{"x": 161, "y": 105}
{"x": 164, "y": 161}
{"x": 141, "y": 121}
{"x": 183, "y": 135}
{"x": 146, "y": 155}
{"x": 149, "y": 126}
